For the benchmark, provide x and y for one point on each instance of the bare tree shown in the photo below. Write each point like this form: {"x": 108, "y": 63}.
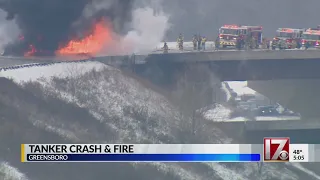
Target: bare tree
{"x": 73, "y": 75}
{"x": 197, "y": 87}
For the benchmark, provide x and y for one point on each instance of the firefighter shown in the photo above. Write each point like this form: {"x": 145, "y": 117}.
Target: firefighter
{"x": 307, "y": 45}
{"x": 243, "y": 43}
{"x": 268, "y": 43}
{"x": 217, "y": 43}
{"x": 203, "y": 43}
{"x": 180, "y": 42}
{"x": 165, "y": 48}
{"x": 238, "y": 43}
{"x": 247, "y": 42}
{"x": 195, "y": 41}
{"x": 294, "y": 44}
{"x": 199, "y": 42}
{"x": 298, "y": 43}
{"x": 253, "y": 43}
{"x": 265, "y": 43}
{"x": 274, "y": 43}
{"x": 282, "y": 44}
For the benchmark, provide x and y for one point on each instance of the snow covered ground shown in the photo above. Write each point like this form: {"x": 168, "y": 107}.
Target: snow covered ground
{"x": 62, "y": 70}
{"x": 8, "y": 172}
{"x": 133, "y": 113}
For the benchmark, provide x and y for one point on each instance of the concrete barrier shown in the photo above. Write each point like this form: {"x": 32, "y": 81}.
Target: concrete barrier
{"x": 238, "y": 55}
{"x": 39, "y": 64}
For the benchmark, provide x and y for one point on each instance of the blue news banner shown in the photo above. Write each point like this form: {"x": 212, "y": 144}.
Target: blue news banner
{"x": 143, "y": 157}
{"x": 138, "y": 153}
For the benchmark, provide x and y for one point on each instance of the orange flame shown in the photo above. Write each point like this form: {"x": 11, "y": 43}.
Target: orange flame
{"x": 92, "y": 44}
{"x": 32, "y": 51}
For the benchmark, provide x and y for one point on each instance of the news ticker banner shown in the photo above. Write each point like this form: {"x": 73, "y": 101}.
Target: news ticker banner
{"x": 169, "y": 153}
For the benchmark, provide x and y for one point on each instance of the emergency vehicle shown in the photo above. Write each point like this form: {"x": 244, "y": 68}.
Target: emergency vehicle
{"x": 229, "y": 35}
{"x": 311, "y": 38}
{"x": 288, "y": 38}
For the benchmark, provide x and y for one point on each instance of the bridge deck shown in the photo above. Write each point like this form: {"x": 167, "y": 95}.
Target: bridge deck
{"x": 238, "y": 55}
{"x": 229, "y": 65}
{"x": 184, "y": 56}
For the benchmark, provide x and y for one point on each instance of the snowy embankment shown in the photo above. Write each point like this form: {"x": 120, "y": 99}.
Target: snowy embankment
{"x": 8, "y": 172}
{"x": 124, "y": 111}
{"x": 216, "y": 112}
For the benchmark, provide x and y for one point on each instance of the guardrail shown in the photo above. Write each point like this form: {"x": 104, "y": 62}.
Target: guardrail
{"x": 115, "y": 61}
{"x": 40, "y": 64}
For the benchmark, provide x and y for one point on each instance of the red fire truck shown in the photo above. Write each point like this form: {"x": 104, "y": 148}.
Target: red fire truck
{"x": 288, "y": 38}
{"x": 230, "y": 35}
{"x": 311, "y": 38}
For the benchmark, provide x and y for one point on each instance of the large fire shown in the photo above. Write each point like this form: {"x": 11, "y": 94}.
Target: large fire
{"x": 92, "y": 44}
{"x": 32, "y": 50}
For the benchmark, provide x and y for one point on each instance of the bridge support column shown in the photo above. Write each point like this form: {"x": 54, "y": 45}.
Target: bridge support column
{"x": 299, "y": 95}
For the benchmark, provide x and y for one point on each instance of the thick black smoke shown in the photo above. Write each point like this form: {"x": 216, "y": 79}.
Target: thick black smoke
{"x": 47, "y": 24}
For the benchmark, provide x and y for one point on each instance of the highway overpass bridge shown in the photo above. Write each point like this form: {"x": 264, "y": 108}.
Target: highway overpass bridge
{"x": 240, "y": 65}
{"x": 289, "y": 76}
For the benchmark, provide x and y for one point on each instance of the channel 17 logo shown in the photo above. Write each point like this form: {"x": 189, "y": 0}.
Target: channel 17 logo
{"x": 276, "y": 149}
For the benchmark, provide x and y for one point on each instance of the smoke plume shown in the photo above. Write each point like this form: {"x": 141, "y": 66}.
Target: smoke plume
{"x": 149, "y": 27}
{"x": 49, "y": 24}
{"x": 8, "y": 31}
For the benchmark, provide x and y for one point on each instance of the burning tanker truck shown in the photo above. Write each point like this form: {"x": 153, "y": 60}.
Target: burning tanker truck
{"x": 51, "y": 27}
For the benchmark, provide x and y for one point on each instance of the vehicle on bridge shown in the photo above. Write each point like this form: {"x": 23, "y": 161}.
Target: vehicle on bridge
{"x": 240, "y": 36}
{"x": 311, "y": 38}
{"x": 287, "y": 38}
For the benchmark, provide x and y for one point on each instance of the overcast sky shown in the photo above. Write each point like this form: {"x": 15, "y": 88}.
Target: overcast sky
{"x": 206, "y": 16}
